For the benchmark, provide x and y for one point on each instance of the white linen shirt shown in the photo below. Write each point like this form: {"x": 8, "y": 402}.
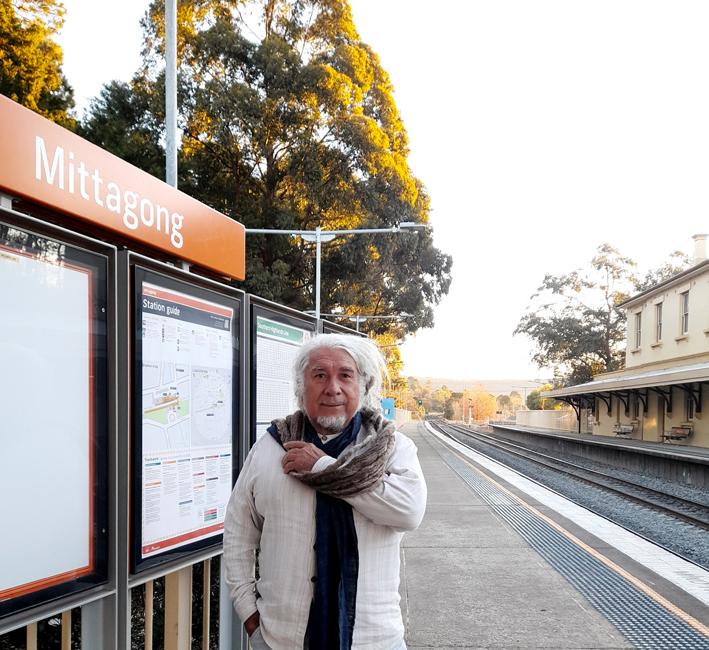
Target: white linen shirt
{"x": 275, "y": 513}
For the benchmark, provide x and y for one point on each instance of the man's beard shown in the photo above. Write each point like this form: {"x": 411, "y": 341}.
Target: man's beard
{"x": 332, "y": 423}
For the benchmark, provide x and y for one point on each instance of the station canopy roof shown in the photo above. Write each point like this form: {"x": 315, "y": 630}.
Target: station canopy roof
{"x": 637, "y": 379}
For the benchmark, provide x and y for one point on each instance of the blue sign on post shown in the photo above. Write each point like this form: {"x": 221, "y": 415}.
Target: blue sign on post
{"x": 388, "y": 408}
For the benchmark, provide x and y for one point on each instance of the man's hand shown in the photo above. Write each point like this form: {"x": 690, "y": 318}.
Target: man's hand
{"x": 300, "y": 456}
{"x": 251, "y": 623}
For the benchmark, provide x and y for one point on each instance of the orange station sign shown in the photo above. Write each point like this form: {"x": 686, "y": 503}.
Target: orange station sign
{"x": 44, "y": 163}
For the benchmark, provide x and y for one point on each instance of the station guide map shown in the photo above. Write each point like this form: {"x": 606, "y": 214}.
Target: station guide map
{"x": 187, "y": 407}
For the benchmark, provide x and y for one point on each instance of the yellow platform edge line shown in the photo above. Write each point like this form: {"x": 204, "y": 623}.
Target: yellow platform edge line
{"x": 648, "y": 591}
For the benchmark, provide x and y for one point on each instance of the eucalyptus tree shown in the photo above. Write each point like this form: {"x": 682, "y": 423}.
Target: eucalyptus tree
{"x": 574, "y": 319}
{"x": 31, "y": 60}
{"x": 288, "y": 122}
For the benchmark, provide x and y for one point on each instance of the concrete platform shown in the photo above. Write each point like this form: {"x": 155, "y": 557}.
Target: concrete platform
{"x": 470, "y": 581}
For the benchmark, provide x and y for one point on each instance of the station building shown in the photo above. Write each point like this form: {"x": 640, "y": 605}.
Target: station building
{"x": 658, "y": 396}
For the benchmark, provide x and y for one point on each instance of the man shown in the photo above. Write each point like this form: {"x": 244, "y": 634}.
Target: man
{"x": 324, "y": 499}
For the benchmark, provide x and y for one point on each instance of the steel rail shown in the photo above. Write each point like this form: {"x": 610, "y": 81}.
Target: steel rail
{"x": 627, "y": 489}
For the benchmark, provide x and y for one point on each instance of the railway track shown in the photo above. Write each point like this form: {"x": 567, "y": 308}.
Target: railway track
{"x": 670, "y": 505}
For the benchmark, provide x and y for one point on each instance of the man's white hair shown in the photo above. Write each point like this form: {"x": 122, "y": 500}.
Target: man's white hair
{"x": 370, "y": 363}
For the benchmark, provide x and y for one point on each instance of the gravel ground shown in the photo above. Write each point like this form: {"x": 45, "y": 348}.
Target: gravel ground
{"x": 679, "y": 537}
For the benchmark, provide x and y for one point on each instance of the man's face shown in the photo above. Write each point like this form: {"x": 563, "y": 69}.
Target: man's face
{"x": 331, "y": 394}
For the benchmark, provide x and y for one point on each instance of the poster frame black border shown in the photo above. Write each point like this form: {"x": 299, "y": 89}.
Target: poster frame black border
{"x": 261, "y": 307}
{"x": 82, "y": 250}
{"x": 142, "y": 269}
{"x": 327, "y": 327}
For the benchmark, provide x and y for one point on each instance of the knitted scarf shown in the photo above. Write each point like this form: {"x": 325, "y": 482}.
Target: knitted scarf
{"x": 368, "y": 435}
{"x": 359, "y": 468}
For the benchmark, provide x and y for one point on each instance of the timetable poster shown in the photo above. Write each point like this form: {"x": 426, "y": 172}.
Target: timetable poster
{"x": 276, "y": 349}
{"x": 187, "y": 394}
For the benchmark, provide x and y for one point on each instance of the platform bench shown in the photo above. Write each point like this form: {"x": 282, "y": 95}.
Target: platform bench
{"x": 623, "y": 429}
{"x": 677, "y": 433}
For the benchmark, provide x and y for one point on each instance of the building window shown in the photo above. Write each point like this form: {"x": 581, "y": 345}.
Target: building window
{"x": 635, "y": 407}
{"x": 658, "y": 322}
{"x": 684, "y": 312}
{"x": 690, "y": 407}
{"x": 638, "y": 328}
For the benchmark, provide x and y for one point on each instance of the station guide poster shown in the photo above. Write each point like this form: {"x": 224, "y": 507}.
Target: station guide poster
{"x": 276, "y": 336}
{"x": 54, "y": 425}
{"x": 186, "y": 376}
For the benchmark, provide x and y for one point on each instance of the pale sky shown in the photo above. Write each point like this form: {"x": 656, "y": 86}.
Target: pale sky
{"x": 541, "y": 129}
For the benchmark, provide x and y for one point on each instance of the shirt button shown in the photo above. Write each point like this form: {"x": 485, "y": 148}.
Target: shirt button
{"x": 313, "y": 579}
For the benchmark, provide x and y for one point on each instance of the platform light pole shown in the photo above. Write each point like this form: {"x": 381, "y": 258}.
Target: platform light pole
{"x": 320, "y": 236}
{"x": 357, "y": 320}
{"x": 361, "y": 318}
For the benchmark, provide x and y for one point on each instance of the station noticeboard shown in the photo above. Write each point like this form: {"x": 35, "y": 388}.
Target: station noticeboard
{"x": 54, "y": 431}
{"x": 186, "y": 396}
{"x": 66, "y": 207}
{"x": 276, "y": 335}
{"x": 50, "y": 166}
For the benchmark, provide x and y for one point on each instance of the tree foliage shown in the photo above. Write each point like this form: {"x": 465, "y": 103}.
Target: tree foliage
{"x": 125, "y": 119}
{"x": 508, "y": 405}
{"x": 504, "y": 405}
{"x": 482, "y": 403}
{"x": 575, "y": 322}
{"x": 394, "y": 383}
{"x": 440, "y": 398}
{"x": 449, "y": 410}
{"x": 574, "y": 319}
{"x": 472, "y": 404}
{"x": 30, "y": 60}
{"x": 677, "y": 262}
{"x": 535, "y": 401}
{"x": 289, "y": 122}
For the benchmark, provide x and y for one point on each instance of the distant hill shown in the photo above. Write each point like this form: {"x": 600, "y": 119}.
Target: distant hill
{"x": 494, "y": 386}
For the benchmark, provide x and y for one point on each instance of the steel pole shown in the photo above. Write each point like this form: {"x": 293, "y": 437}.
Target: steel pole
{"x": 318, "y": 240}
{"x": 318, "y": 237}
{"x": 171, "y": 92}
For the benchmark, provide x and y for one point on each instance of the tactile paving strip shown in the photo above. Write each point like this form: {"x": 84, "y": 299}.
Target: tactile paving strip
{"x": 644, "y": 622}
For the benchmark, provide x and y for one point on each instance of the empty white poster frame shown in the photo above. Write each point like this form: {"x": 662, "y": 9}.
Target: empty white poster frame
{"x": 53, "y": 386}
